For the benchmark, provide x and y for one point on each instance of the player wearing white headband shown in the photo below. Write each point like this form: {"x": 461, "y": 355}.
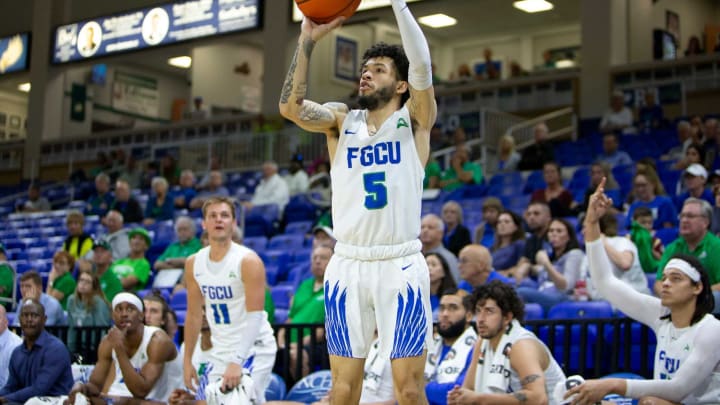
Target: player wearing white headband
{"x": 687, "y": 360}
{"x": 138, "y": 359}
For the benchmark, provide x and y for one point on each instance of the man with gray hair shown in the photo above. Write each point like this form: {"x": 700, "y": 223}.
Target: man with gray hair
{"x": 186, "y": 244}
{"x": 539, "y": 153}
{"x": 272, "y": 189}
{"x": 214, "y": 188}
{"x": 432, "y": 230}
{"x": 99, "y": 202}
{"x": 695, "y": 240}
{"x": 116, "y": 236}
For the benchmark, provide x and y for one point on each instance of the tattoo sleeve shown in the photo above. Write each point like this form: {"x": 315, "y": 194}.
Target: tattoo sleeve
{"x": 297, "y": 86}
{"x": 522, "y": 398}
{"x": 315, "y": 112}
{"x": 529, "y": 379}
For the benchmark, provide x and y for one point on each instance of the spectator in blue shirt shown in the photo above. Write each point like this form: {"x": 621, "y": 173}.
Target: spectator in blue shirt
{"x": 186, "y": 192}
{"x": 611, "y": 155}
{"x": 8, "y": 342}
{"x": 40, "y": 366}
{"x": 648, "y": 191}
{"x": 160, "y": 206}
{"x": 476, "y": 268}
{"x": 31, "y": 288}
{"x": 695, "y": 179}
{"x": 650, "y": 115}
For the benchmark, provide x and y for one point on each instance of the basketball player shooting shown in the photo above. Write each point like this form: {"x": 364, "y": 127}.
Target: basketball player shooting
{"x": 378, "y": 275}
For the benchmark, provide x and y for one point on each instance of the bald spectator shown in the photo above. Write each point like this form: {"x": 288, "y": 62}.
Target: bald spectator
{"x": 8, "y": 342}
{"x": 117, "y": 235}
{"x": 126, "y": 204}
{"x": 431, "y": 235}
{"x": 186, "y": 244}
{"x": 35, "y": 202}
{"x": 99, "y": 202}
{"x": 539, "y": 153}
{"x": 40, "y": 366}
{"x": 186, "y": 192}
{"x": 476, "y": 268}
{"x": 272, "y": 188}
{"x": 214, "y": 188}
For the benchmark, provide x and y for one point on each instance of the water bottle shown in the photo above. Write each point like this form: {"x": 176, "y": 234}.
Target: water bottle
{"x": 581, "y": 291}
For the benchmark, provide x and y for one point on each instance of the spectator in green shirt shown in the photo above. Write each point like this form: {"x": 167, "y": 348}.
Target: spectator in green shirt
{"x": 61, "y": 282}
{"x": 308, "y": 306}
{"x": 462, "y": 171}
{"x": 7, "y": 280}
{"x": 134, "y": 270}
{"x": 695, "y": 240}
{"x": 102, "y": 259}
{"x": 433, "y": 172}
{"x": 187, "y": 244}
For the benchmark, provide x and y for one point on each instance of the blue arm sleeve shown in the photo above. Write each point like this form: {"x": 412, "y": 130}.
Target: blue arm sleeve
{"x": 55, "y": 360}
{"x": 437, "y": 392}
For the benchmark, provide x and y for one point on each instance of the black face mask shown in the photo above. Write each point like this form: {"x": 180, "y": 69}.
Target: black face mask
{"x": 454, "y": 330}
{"x": 373, "y": 101}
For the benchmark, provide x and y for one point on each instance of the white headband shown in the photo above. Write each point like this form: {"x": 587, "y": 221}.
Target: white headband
{"x": 129, "y": 298}
{"x": 685, "y": 267}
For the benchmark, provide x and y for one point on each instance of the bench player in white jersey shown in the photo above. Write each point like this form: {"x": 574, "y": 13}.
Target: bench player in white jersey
{"x": 687, "y": 359}
{"x": 510, "y": 365}
{"x": 139, "y": 360}
{"x": 229, "y": 281}
{"x": 377, "y": 155}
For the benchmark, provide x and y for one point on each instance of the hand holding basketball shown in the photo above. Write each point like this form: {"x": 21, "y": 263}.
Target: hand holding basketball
{"x": 324, "y": 11}
{"x": 316, "y": 31}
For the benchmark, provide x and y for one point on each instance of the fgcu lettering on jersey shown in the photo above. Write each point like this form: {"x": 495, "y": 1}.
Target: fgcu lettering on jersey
{"x": 668, "y": 364}
{"x": 382, "y": 153}
{"x": 223, "y": 292}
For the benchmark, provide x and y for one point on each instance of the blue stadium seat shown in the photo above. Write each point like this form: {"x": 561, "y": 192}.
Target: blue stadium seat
{"x": 506, "y": 178}
{"x": 467, "y": 192}
{"x": 297, "y": 273}
{"x": 265, "y": 217}
{"x": 580, "y": 310}
{"x": 651, "y": 277}
{"x": 636, "y": 346}
{"x": 287, "y": 242}
{"x": 667, "y": 235}
{"x": 179, "y": 300}
{"x": 281, "y": 315}
{"x": 277, "y": 388}
{"x": 533, "y": 311}
{"x": 300, "y": 255}
{"x": 300, "y": 209}
{"x": 534, "y": 182}
{"x": 311, "y": 388}
{"x": 180, "y": 314}
{"x": 301, "y": 227}
{"x": 271, "y": 274}
{"x": 279, "y": 258}
{"x": 281, "y": 295}
{"x": 256, "y": 243}
{"x": 580, "y": 178}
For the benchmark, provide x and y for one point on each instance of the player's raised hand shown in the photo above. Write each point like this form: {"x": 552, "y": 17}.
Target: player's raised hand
{"x": 598, "y": 204}
{"x": 317, "y": 31}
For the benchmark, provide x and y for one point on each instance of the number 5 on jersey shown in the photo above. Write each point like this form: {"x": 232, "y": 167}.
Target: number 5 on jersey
{"x": 376, "y": 196}
{"x": 220, "y": 313}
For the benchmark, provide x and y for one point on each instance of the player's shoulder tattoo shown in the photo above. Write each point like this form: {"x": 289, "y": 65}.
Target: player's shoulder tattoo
{"x": 529, "y": 379}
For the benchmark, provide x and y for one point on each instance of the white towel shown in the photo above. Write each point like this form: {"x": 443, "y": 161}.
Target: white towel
{"x": 449, "y": 368}
{"x": 241, "y": 395}
{"x": 375, "y": 366}
{"x": 493, "y": 368}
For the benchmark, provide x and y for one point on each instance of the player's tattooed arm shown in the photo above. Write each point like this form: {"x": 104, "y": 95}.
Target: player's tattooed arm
{"x": 296, "y": 84}
{"x": 521, "y": 397}
{"x": 529, "y": 379}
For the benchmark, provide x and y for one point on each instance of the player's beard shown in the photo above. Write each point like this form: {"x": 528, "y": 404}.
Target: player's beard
{"x": 377, "y": 99}
{"x": 454, "y": 330}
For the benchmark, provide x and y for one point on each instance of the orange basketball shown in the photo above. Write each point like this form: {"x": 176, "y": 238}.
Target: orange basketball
{"x": 324, "y": 11}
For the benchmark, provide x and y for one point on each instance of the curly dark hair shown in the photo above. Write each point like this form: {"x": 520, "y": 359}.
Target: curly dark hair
{"x": 504, "y": 296}
{"x": 397, "y": 54}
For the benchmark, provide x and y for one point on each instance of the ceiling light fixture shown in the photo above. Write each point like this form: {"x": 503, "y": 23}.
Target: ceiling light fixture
{"x": 533, "y": 6}
{"x": 24, "y": 87}
{"x": 437, "y": 20}
{"x": 182, "y": 62}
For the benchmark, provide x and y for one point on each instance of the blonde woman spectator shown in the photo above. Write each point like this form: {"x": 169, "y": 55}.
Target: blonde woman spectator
{"x": 508, "y": 157}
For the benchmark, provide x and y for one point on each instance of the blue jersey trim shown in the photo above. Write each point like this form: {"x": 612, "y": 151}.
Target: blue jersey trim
{"x": 336, "y": 326}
